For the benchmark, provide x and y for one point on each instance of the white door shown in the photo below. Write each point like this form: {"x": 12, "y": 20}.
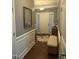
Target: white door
{"x": 43, "y": 23}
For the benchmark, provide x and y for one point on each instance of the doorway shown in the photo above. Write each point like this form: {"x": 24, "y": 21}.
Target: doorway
{"x": 44, "y": 22}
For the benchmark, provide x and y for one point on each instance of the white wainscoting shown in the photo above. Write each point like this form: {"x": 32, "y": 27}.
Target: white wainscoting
{"x": 24, "y": 43}
{"x": 62, "y": 46}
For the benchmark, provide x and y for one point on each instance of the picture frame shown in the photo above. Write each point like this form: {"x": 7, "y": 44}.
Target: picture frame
{"x": 27, "y": 17}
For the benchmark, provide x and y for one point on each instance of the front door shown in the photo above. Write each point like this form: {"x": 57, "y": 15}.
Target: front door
{"x": 44, "y": 22}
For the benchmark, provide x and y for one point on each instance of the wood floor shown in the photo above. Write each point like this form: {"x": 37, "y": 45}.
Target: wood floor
{"x": 39, "y": 51}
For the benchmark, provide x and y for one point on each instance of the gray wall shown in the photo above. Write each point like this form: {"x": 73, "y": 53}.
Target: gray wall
{"x": 19, "y": 14}
{"x": 47, "y": 10}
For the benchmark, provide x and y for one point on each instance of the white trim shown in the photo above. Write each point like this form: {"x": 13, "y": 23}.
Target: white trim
{"x": 24, "y": 43}
{"x": 37, "y": 7}
{"x": 13, "y": 31}
{"x": 21, "y": 36}
{"x": 62, "y": 45}
{"x": 25, "y": 51}
{"x": 58, "y": 35}
{"x": 63, "y": 42}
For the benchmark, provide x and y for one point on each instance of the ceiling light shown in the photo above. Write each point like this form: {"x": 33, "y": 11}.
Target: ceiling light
{"x": 41, "y": 8}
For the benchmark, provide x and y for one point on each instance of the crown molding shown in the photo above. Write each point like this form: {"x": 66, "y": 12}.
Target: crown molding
{"x": 51, "y": 6}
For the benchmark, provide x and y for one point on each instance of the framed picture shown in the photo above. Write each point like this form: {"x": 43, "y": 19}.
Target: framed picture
{"x": 27, "y": 17}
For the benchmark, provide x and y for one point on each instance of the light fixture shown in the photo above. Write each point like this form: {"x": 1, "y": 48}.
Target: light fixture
{"x": 41, "y": 8}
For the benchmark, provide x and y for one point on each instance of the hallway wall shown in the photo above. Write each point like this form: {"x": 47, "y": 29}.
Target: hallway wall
{"x": 19, "y": 14}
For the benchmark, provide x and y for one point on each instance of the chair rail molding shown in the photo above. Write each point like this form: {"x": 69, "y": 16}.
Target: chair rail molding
{"x": 24, "y": 43}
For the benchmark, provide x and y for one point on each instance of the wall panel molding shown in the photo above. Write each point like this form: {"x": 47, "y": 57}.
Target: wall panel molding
{"x": 24, "y": 43}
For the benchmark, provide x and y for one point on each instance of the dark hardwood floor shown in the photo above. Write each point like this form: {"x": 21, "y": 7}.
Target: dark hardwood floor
{"x": 39, "y": 51}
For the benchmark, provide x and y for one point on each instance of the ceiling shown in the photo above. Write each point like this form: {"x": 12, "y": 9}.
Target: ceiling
{"x": 40, "y": 3}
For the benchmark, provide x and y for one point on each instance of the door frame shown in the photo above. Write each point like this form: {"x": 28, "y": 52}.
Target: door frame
{"x": 13, "y": 31}
{"x": 38, "y": 24}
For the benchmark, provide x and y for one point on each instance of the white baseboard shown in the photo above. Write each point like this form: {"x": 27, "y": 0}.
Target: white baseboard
{"x": 26, "y": 51}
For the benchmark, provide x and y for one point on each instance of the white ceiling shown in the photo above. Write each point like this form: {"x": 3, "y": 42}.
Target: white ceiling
{"x": 38, "y": 3}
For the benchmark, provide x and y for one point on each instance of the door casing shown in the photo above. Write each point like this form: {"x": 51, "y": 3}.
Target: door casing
{"x": 44, "y": 22}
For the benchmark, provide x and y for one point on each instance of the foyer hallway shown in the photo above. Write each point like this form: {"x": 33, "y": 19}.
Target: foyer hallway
{"x": 38, "y": 17}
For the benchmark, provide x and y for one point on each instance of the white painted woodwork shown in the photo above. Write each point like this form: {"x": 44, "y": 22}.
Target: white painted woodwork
{"x": 62, "y": 46}
{"x": 24, "y": 43}
{"x": 13, "y": 31}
